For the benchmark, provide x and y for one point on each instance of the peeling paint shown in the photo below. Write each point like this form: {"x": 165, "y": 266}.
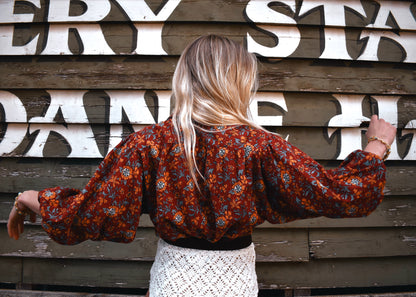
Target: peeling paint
{"x": 409, "y": 238}
{"x": 317, "y": 242}
{"x": 40, "y": 243}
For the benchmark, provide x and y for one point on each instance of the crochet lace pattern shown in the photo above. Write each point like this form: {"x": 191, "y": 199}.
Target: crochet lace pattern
{"x": 182, "y": 272}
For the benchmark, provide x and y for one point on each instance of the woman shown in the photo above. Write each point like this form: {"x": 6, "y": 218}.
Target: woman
{"x": 207, "y": 176}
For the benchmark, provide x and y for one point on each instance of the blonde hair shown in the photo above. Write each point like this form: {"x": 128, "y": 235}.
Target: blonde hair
{"x": 213, "y": 85}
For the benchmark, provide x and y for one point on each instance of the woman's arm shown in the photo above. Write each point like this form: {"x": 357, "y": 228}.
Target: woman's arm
{"x": 299, "y": 187}
{"x": 108, "y": 208}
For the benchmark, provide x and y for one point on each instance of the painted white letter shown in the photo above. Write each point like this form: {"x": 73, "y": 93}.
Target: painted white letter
{"x": 387, "y": 110}
{"x": 410, "y": 128}
{"x": 406, "y": 39}
{"x": 133, "y": 104}
{"x": 14, "y": 112}
{"x": 7, "y": 15}
{"x": 96, "y": 11}
{"x": 80, "y": 137}
{"x": 334, "y": 14}
{"x": 258, "y": 11}
{"x": 163, "y": 98}
{"x": 149, "y": 36}
{"x": 274, "y": 98}
{"x": 6, "y": 32}
{"x": 351, "y": 116}
{"x": 91, "y": 35}
{"x": 400, "y": 11}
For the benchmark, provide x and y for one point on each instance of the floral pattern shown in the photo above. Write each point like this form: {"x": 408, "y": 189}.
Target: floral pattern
{"x": 249, "y": 176}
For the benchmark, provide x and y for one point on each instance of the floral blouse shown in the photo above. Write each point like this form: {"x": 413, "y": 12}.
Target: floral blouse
{"x": 249, "y": 176}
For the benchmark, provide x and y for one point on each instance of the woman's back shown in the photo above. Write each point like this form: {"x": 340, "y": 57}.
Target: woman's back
{"x": 246, "y": 176}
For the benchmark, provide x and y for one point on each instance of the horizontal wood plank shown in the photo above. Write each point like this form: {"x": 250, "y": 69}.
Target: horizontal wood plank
{"x": 28, "y": 293}
{"x": 288, "y": 109}
{"x": 263, "y": 39}
{"x": 402, "y": 294}
{"x": 359, "y": 14}
{"x": 362, "y": 243}
{"x": 392, "y": 212}
{"x": 95, "y": 141}
{"x": 281, "y": 246}
{"x": 271, "y": 246}
{"x": 69, "y": 272}
{"x": 138, "y": 73}
{"x": 332, "y": 273}
{"x": 323, "y": 273}
{"x": 11, "y": 270}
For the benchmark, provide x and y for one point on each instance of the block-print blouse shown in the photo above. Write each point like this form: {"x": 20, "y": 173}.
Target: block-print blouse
{"x": 249, "y": 176}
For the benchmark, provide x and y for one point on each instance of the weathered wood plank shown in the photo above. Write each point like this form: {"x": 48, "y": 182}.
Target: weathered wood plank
{"x": 300, "y": 41}
{"x": 271, "y": 246}
{"x": 11, "y": 270}
{"x": 331, "y": 273}
{"x": 323, "y": 273}
{"x": 27, "y": 293}
{"x": 402, "y": 294}
{"x": 36, "y": 243}
{"x": 68, "y": 174}
{"x": 357, "y": 13}
{"x": 297, "y": 292}
{"x": 69, "y": 272}
{"x": 151, "y": 106}
{"x": 95, "y": 141}
{"x": 291, "y": 75}
{"x": 392, "y": 212}
{"x": 360, "y": 243}
{"x": 283, "y": 246}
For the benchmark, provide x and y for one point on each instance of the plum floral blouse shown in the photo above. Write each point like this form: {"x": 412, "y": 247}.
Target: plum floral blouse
{"x": 249, "y": 176}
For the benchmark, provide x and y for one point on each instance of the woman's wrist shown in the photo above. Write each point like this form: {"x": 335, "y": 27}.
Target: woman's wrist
{"x": 20, "y": 209}
{"x": 29, "y": 199}
{"x": 379, "y": 147}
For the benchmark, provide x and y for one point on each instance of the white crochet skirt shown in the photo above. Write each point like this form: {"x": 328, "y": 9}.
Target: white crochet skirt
{"x": 185, "y": 272}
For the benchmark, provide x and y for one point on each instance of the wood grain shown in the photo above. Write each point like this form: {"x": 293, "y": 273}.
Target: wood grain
{"x": 218, "y": 10}
{"x": 362, "y": 243}
{"x": 370, "y": 272}
{"x": 327, "y": 273}
{"x": 291, "y": 246}
{"x": 141, "y": 73}
{"x": 296, "y": 109}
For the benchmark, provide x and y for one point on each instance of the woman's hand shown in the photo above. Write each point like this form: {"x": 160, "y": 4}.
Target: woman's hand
{"x": 384, "y": 131}
{"x": 26, "y": 204}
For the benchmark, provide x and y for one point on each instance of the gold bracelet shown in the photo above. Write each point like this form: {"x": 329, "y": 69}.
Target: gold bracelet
{"x": 19, "y": 212}
{"x": 388, "y": 147}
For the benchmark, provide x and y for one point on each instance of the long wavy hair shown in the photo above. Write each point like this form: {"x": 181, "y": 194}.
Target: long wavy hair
{"x": 213, "y": 85}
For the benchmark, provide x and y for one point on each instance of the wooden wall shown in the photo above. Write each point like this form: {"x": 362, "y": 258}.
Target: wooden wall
{"x": 77, "y": 76}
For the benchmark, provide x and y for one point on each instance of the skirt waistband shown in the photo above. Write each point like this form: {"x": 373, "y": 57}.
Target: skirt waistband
{"x": 224, "y": 244}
